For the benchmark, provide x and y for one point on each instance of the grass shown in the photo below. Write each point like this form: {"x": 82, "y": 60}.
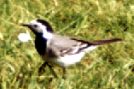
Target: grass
{"x": 108, "y": 67}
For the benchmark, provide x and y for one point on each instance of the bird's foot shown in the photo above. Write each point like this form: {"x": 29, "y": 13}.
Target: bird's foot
{"x": 41, "y": 69}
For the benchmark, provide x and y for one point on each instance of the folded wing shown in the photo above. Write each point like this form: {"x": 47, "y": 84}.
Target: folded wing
{"x": 61, "y": 46}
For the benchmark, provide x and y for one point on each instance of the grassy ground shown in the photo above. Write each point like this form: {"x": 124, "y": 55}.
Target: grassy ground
{"x": 108, "y": 67}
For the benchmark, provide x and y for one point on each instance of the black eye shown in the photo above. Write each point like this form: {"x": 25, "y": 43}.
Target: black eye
{"x": 35, "y": 26}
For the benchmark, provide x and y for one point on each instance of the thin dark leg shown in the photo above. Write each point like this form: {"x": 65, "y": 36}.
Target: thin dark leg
{"x": 41, "y": 69}
{"x": 52, "y": 70}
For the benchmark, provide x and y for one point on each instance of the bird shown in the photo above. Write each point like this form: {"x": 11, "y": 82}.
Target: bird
{"x": 61, "y": 50}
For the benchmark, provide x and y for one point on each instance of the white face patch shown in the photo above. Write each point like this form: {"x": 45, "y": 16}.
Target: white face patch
{"x": 40, "y": 28}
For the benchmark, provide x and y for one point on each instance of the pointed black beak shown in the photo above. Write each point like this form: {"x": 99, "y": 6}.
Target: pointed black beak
{"x": 25, "y": 25}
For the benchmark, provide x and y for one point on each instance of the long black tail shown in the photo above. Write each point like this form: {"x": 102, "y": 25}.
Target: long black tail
{"x": 101, "y": 42}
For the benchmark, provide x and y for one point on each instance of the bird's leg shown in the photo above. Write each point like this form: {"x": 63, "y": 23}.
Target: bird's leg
{"x": 64, "y": 73}
{"x": 52, "y": 70}
{"x": 42, "y": 67}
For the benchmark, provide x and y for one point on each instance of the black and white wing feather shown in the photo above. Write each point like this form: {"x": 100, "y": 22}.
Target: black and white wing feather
{"x": 61, "y": 46}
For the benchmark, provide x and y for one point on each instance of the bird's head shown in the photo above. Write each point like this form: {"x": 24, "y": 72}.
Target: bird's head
{"x": 39, "y": 27}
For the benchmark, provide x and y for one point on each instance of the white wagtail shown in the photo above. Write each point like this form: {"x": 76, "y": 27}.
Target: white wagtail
{"x": 61, "y": 50}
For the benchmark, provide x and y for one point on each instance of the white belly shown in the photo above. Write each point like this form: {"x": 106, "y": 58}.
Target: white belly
{"x": 68, "y": 60}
